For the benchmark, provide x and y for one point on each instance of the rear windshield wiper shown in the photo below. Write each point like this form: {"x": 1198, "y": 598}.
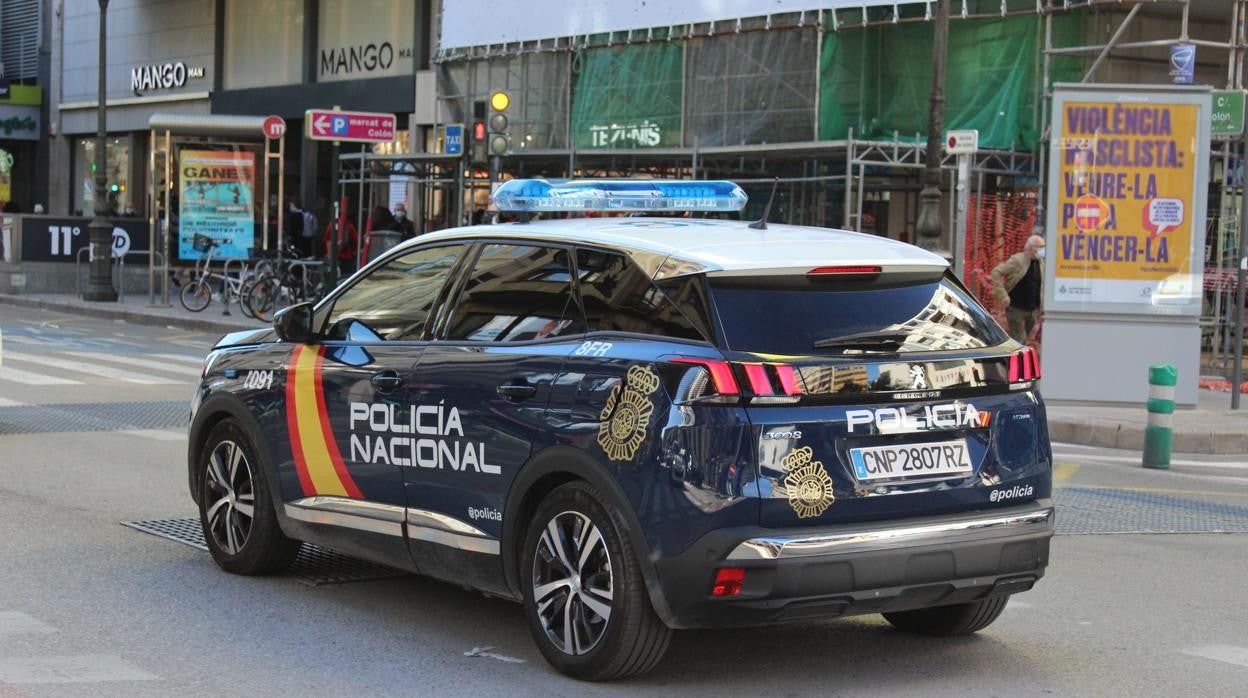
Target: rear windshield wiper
{"x": 876, "y": 342}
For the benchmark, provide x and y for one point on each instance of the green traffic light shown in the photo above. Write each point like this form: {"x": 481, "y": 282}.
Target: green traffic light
{"x": 114, "y": 187}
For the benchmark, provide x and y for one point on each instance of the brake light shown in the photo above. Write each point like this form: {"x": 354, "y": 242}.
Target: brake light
{"x": 789, "y": 382}
{"x": 728, "y": 581}
{"x": 848, "y": 270}
{"x": 760, "y": 383}
{"x": 1024, "y": 365}
{"x": 721, "y": 374}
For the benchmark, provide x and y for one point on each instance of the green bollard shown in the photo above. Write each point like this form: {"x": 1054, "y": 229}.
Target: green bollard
{"x": 1159, "y": 434}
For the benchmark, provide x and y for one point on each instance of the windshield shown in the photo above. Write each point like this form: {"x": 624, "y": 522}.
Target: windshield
{"x": 795, "y": 316}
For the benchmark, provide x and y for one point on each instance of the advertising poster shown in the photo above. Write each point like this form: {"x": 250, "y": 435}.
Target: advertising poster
{"x": 1126, "y": 204}
{"x": 217, "y": 200}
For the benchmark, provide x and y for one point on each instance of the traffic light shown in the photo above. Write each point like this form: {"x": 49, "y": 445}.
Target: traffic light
{"x": 479, "y": 134}
{"x": 499, "y": 141}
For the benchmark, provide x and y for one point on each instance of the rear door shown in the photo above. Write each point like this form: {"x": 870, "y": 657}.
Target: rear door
{"x": 878, "y": 395}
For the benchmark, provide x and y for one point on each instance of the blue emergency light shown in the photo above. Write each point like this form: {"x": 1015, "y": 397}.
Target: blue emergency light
{"x": 548, "y": 195}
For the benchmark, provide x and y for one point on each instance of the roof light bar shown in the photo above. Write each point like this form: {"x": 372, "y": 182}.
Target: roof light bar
{"x": 542, "y": 195}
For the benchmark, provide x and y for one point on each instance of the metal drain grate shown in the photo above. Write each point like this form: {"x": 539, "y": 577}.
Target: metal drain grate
{"x": 93, "y": 416}
{"x": 313, "y": 566}
{"x": 1093, "y": 510}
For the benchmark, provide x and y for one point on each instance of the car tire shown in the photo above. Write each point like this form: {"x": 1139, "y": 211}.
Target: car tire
{"x": 236, "y": 509}
{"x": 950, "y": 621}
{"x": 631, "y": 639}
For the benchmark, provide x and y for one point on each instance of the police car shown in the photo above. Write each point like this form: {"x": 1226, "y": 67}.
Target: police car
{"x": 637, "y": 424}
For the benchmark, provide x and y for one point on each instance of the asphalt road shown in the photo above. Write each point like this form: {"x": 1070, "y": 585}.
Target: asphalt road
{"x": 89, "y": 607}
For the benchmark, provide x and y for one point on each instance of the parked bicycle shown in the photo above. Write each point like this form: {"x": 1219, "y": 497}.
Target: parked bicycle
{"x": 198, "y": 293}
{"x": 286, "y": 282}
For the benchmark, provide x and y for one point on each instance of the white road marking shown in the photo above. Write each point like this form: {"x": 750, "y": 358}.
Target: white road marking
{"x": 5, "y": 402}
{"x": 81, "y": 668}
{"x": 18, "y": 623}
{"x": 197, "y": 360}
{"x": 1221, "y": 653}
{"x": 130, "y": 360}
{"x": 485, "y": 652}
{"x": 1018, "y": 605}
{"x": 91, "y": 369}
{"x": 155, "y": 434}
{"x": 1232, "y": 465}
{"x": 17, "y": 375}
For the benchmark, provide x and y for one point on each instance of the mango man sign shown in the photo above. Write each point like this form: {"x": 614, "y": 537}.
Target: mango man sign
{"x": 1127, "y": 185}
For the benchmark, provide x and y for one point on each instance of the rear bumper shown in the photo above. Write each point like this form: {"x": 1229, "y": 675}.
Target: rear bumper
{"x": 859, "y": 568}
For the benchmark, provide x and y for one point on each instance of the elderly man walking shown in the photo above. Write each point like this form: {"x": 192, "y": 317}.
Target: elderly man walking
{"x": 1016, "y": 285}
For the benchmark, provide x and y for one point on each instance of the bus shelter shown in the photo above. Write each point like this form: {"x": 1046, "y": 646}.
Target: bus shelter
{"x": 203, "y": 174}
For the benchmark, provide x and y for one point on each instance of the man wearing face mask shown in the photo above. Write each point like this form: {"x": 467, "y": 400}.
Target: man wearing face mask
{"x": 402, "y": 223}
{"x": 1016, "y": 285}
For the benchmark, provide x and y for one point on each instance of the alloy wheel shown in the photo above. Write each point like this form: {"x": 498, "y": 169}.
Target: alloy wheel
{"x": 572, "y": 583}
{"x": 231, "y": 493}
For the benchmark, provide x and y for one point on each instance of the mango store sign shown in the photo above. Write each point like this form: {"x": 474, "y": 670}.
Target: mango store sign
{"x": 1126, "y": 201}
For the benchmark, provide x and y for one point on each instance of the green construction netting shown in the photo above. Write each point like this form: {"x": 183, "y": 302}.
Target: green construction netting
{"x": 628, "y": 96}
{"x": 877, "y": 80}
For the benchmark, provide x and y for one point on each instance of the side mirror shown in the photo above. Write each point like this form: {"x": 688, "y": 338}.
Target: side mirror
{"x": 294, "y": 323}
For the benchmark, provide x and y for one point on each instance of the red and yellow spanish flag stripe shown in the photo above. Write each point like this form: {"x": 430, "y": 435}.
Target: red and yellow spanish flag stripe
{"x": 317, "y": 458}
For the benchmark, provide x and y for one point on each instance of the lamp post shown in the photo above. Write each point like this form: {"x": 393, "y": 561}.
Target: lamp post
{"x": 100, "y": 230}
{"x": 927, "y": 228}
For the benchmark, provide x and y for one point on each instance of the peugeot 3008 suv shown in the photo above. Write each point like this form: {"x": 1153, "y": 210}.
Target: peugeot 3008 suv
{"x": 637, "y": 424}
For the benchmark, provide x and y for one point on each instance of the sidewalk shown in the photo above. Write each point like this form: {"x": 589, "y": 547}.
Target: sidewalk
{"x": 1211, "y": 428}
{"x": 135, "y": 310}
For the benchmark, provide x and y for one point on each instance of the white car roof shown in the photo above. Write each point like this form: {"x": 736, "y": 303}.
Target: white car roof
{"x": 667, "y": 247}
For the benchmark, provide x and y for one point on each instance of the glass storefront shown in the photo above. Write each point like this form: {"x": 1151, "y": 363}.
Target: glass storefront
{"x": 120, "y": 194}
{"x": 263, "y": 43}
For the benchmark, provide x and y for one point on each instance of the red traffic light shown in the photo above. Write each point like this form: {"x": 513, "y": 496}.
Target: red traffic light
{"x": 478, "y": 131}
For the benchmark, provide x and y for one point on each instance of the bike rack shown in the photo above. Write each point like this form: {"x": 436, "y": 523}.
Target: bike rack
{"x": 226, "y": 288}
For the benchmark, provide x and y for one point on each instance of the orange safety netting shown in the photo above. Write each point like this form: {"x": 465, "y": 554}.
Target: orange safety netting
{"x": 997, "y": 227}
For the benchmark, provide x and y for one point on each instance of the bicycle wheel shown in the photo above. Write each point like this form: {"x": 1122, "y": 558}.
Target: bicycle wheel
{"x": 263, "y": 298}
{"x": 244, "y": 293}
{"x": 196, "y": 296}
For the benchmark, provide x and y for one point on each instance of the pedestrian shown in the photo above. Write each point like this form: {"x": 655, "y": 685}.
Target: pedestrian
{"x": 292, "y": 227}
{"x": 402, "y": 223}
{"x": 348, "y": 241}
{"x": 1016, "y": 285}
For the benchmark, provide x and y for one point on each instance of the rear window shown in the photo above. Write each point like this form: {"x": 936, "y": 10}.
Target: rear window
{"x": 794, "y": 315}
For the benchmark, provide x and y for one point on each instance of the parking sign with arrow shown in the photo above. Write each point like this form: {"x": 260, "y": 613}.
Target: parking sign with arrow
{"x": 348, "y": 126}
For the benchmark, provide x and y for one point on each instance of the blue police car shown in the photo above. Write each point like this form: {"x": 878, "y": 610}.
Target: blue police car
{"x": 634, "y": 424}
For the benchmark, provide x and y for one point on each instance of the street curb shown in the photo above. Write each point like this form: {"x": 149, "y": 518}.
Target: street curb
{"x": 103, "y": 311}
{"x": 1089, "y": 432}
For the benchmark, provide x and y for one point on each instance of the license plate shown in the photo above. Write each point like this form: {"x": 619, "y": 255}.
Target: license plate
{"x": 905, "y": 461}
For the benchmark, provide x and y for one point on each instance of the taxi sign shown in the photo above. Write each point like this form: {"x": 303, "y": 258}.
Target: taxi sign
{"x": 536, "y": 195}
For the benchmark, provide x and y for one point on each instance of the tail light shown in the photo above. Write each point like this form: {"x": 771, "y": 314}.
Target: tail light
{"x": 845, "y": 270}
{"x": 717, "y": 381}
{"x": 1024, "y": 366}
{"x": 728, "y": 581}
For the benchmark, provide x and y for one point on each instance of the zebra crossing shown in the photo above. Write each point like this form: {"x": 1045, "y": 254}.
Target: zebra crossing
{"x": 63, "y": 361}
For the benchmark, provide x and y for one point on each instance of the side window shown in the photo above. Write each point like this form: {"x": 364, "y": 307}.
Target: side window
{"x": 395, "y": 301}
{"x": 516, "y": 293}
{"x": 619, "y": 296}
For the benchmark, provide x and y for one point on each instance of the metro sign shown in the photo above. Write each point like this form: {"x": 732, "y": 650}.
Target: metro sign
{"x": 349, "y": 126}
{"x": 1090, "y": 212}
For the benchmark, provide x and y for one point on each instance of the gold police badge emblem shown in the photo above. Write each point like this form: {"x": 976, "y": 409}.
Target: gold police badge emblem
{"x": 807, "y": 484}
{"x": 626, "y": 415}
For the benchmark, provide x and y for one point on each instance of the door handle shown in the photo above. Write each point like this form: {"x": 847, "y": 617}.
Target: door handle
{"x": 386, "y": 380}
{"x": 517, "y": 392}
